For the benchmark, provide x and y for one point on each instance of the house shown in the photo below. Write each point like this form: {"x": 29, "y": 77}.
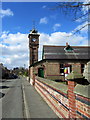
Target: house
{"x": 57, "y": 61}
{"x": 4, "y": 72}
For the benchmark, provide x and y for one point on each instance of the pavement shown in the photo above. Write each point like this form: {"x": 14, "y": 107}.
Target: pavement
{"x": 37, "y": 107}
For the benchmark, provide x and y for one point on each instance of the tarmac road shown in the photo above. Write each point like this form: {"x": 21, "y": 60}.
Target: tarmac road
{"x": 21, "y": 100}
{"x": 12, "y": 101}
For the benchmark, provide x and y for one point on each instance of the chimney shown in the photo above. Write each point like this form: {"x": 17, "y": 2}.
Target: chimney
{"x": 66, "y": 44}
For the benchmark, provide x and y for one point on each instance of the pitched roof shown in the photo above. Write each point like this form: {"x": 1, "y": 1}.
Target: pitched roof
{"x": 62, "y": 52}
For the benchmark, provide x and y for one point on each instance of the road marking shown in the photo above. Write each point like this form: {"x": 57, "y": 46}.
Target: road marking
{"x": 26, "y": 110}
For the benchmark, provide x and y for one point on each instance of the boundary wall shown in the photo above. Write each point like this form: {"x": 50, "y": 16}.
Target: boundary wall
{"x": 65, "y": 100}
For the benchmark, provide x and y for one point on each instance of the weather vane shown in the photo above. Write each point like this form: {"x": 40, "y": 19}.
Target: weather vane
{"x": 33, "y": 24}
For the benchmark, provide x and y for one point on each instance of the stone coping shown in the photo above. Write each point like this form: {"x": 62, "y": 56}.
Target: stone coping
{"x": 59, "y": 86}
{"x": 83, "y": 90}
{"x": 74, "y": 75}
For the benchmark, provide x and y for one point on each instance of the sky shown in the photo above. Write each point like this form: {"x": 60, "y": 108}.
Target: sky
{"x": 53, "y": 26}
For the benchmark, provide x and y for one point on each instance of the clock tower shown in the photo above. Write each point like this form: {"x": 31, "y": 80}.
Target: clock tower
{"x": 33, "y": 46}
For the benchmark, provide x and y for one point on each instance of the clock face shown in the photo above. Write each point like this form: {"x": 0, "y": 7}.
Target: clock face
{"x": 33, "y": 39}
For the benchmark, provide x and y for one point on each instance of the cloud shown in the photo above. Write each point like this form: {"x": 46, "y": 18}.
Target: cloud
{"x": 83, "y": 28}
{"x": 15, "y": 50}
{"x": 56, "y": 26}
{"x": 84, "y": 12}
{"x": 14, "y": 39}
{"x": 85, "y": 8}
{"x": 15, "y": 47}
{"x": 44, "y": 6}
{"x": 60, "y": 39}
{"x": 43, "y": 20}
{"x": 6, "y": 12}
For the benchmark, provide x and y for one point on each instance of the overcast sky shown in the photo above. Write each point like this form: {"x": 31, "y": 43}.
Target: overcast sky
{"x": 54, "y": 28}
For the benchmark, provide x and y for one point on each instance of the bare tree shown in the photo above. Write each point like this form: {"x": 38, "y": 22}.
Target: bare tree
{"x": 77, "y": 11}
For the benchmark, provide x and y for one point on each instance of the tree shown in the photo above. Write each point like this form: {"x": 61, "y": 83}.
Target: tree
{"x": 78, "y": 11}
{"x": 20, "y": 71}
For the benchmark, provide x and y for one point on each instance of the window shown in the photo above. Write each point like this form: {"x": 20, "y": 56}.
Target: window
{"x": 33, "y": 57}
{"x": 34, "y": 48}
{"x": 82, "y": 68}
{"x": 62, "y": 69}
{"x": 70, "y": 68}
{"x": 61, "y": 66}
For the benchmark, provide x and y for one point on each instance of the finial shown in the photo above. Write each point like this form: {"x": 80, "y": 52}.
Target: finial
{"x": 33, "y": 24}
{"x": 33, "y": 27}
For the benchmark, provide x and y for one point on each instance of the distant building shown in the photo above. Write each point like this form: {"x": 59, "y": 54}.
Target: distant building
{"x": 4, "y": 72}
{"x": 57, "y": 61}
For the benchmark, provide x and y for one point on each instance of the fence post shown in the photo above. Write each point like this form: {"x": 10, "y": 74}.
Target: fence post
{"x": 71, "y": 98}
{"x": 72, "y": 77}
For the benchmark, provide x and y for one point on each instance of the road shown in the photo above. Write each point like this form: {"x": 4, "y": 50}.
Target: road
{"x": 12, "y": 100}
{"x": 20, "y": 100}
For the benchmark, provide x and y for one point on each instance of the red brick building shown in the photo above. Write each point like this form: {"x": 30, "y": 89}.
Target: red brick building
{"x": 67, "y": 101}
{"x": 57, "y": 61}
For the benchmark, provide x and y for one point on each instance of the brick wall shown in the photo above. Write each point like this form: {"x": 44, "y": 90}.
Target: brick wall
{"x": 50, "y": 71}
{"x": 56, "y": 99}
{"x": 65, "y": 104}
{"x": 82, "y": 107}
{"x": 32, "y": 76}
{"x": 76, "y": 67}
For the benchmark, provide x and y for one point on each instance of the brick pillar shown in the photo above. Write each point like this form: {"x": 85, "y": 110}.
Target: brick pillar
{"x": 71, "y": 98}
{"x": 29, "y": 74}
{"x": 32, "y": 76}
{"x": 33, "y": 80}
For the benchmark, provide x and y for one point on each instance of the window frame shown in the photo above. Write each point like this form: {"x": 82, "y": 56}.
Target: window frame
{"x": 61, "y": 68}
{"x": 82, "y": 68}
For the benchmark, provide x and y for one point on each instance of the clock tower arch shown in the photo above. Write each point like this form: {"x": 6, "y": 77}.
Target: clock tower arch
{"x": 33, "y": 46}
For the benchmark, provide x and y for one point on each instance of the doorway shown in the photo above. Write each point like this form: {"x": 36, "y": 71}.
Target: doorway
{"x": 41, "y": 72}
